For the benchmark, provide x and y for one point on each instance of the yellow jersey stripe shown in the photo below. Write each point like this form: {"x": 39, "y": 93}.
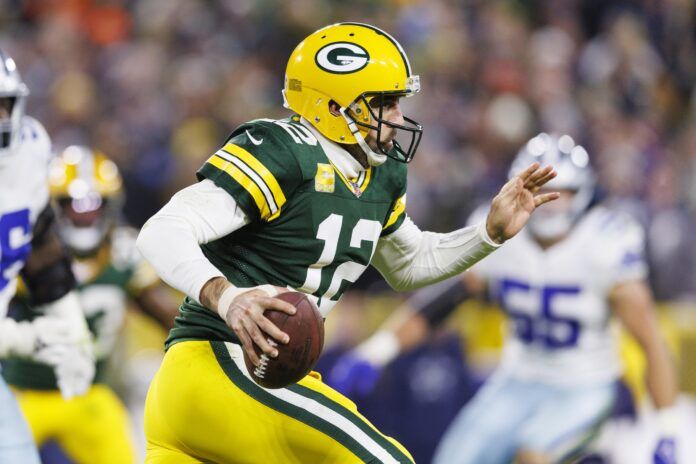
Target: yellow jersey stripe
{"x": 398, "y": 210}
{"x": 366, "y": 179}
{"x": 270, "y": 200}
{"x": 260, "y": 169}
{"x": 247, "y": 184}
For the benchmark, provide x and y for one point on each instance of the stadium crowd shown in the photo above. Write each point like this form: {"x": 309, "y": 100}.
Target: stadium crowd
{"x": 157, "y": 85}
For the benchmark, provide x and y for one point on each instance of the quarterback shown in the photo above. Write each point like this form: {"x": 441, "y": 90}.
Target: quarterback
{"x": 86, "y": 189}
{"x": 29, "y": 246}
{"x": 574, "y": 266}
{"x": 306, "y": 203}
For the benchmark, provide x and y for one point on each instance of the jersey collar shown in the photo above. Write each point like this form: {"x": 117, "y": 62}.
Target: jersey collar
{"x": 343, "y": 161}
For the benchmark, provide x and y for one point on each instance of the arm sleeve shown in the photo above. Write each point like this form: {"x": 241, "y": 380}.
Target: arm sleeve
{"x": 170, "y": 240}
{"x": 409, "y": 258}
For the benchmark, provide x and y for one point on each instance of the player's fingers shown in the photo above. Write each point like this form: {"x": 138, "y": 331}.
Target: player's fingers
{"x": 271, "y": 329}
{"x": 537, "y": 175}
{"x": 248, "y": 346}
{"x": 547, "y": 175}
{"x": 280, "y": 305}
{"x": 545, "y": 198}
{"x": 547, "y": 178}
{"x": 260, "y": 339}
{"x": 526, "y": 174}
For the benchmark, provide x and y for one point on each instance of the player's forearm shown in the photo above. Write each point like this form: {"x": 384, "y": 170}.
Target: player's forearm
{"x": 661, "y": 378}
{"x": 409, "y": 258}
{"x": 171, "y": 239}
{"x": 212, "y": 291}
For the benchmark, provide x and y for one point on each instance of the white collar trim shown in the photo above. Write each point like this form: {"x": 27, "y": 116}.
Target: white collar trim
{"x": 339, "y": 157}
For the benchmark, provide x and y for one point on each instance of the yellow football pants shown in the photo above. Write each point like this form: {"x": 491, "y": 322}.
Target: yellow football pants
{"x": 203, "y": 407}
{"x": 90, "y": 428}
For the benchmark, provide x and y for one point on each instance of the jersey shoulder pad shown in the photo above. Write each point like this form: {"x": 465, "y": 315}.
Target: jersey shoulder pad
{"x": 258, "y": 165}
{"x": 615, "y": 228}
{"x": 618, "y": 244}
{"x": 34, "y": 136}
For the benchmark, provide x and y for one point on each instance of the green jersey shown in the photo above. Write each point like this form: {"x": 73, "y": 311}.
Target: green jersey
{"x": 105, "y": 284}
{"x": 311, "y": 229}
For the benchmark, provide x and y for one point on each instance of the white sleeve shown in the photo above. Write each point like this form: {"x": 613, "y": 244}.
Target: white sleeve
{"x": 170, "y": 240}
{"x": 409, "y": 258}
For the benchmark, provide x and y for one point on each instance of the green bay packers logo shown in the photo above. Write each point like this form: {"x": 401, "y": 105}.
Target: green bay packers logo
{"x": 342, "y": 57}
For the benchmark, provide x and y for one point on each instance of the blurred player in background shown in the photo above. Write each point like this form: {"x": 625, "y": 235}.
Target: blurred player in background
{"x": 29, "y": 246}
{"x": 306, "y": 202}
{"x": 559, "y": 281}
{"x": 86, "y": 188}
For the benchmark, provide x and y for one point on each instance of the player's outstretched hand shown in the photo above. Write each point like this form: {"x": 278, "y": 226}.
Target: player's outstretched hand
{"x": 245, "y": 316}
{"x": 352, "y": 375}
{"x": 517, "y": 200}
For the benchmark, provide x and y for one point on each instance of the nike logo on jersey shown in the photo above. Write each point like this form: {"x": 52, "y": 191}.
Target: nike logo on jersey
{"x": 253, "y": 140}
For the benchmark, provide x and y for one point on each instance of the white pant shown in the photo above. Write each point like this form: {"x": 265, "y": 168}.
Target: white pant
{"x": 508, "y": 415}
{"x": 16, "y": 442}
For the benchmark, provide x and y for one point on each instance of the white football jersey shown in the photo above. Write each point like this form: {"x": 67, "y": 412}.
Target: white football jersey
{"x": 23, "y": 195}
{"x": 556, "y": 300}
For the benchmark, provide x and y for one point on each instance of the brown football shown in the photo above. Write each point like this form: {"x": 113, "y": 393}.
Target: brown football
{"x": 297, "y": 358}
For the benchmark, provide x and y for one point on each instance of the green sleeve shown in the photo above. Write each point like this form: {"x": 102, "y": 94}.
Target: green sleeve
{"x": 256, "y": 168}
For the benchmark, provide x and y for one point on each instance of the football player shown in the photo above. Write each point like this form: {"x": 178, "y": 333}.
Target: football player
{"x": 86, "y": 189}
{"x": 307, "y": 203}
{"x": 29, "y": 246}
{"x": 575, "y": 265}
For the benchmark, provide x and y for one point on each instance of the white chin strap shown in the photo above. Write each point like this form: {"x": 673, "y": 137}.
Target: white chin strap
{"x": 373, "y": 159}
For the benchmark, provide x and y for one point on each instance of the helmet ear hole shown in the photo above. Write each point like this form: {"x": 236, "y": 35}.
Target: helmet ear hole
{"x": 334, "y": 108}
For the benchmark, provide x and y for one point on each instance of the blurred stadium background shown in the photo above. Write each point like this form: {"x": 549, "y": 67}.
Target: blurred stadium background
{"x": 158, "y": 84}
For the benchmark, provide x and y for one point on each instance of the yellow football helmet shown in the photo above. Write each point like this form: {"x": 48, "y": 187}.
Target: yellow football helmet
{"x": 87, "y": 190}
{"x": 351, "y": 64}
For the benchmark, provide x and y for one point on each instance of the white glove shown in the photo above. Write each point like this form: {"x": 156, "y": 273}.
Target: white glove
{"x": 71, "y": 353}
{"x": 73, "y": 366}
{"x": 24, "y": 339}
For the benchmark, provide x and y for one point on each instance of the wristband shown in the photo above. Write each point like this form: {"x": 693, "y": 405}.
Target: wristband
{"x": 232, "y": 292}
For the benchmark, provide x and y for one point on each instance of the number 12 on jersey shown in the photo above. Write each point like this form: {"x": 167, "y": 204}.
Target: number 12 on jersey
{"x": 330, "y": 231}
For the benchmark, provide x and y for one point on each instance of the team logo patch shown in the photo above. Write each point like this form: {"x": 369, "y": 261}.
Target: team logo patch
{"x": 342, "y": 57}
{"x": 325, "y": 180}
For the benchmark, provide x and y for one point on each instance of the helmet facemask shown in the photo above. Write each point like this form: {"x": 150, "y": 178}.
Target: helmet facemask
{"x": 374, "y": 103}
{"x": 85, "y": 222}
{"x": 87, "y": 190}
